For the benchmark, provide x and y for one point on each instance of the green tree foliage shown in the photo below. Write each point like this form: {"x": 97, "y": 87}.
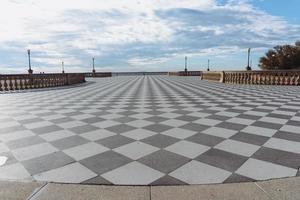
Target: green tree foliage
{"x": 281, "y": 58}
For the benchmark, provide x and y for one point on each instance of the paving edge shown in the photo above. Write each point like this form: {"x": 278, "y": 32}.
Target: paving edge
{"x": 285, "y": 189}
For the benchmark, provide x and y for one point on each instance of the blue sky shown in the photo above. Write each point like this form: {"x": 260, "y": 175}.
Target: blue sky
{"x": 142, "y": 35}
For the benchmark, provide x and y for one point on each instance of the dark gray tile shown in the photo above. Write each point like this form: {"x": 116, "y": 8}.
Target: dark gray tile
{"x": 164, "y": 161}
{"x": 204, "y": 139}
{"x": 222, "y": 159}
{"x": 267, "y": 125}
{"x": 194, "y": 127}
{"x": 98, "y": 180}
{"x": 232, "y": 126}
{"x": 92, "y": 120}
{"x": 124, "y": 119}
{"x": 245, "y": 116}
{"x": 293, "y": 123}
{"x": 69, "y": 142}
{"x": 278, "y": 116}
{"x": 284, "y": 158}
{"x": 158, "y": 128}
{"x": 187, "y": 118}
{"x": 23, "y": 142}
{"x": 167, "y": 181}
{"x": 47, "y": 162}
{"x": 28, "y": 121}
{"x": 160, "y": 141}
{"x": 105, "y": 162}
{"x": 46, "y": 129}
{"x": 250, "y": 138}
{"x": 287, "y": 136}
{"x": 156, "y": 119}
{"x": 115, "y": 141}
{"x": 62, "y": 120}
{"x": 218, "y": 117}
{"x": 83, "y": 129}
{"x": 236, "y": 178}
{"x": 12, "y": 129}
{"x": 120, "y": 128}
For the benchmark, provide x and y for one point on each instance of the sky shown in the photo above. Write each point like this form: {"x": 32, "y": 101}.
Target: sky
{"x": 142, "y": 35}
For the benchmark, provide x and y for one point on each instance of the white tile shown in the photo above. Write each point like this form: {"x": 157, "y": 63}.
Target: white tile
{"x": 136, "y": 150}
{"x": 72, "y": 173}
{"x": 111, "y": 116}
{"x": 16, "y": 135}
{"x": 237, "y": 147}
{"x": 187, "y": 149}
{"x": 179, "y": 133}
{"x": 106, "y": 124}
{"x": 85, "y": 150}
{"x": 207, "y": 122}
{"x": 82, "y": 116}
{"x": 139, "y": 134}
{"x": 242, "y": 121}
{"x": 38, "y": 124}
{"x": 71, "y": 124}
{"x": 133, "y": 173}
{"x": 14, "y": 172}
{"x": 33, "y": 151}
{"x": 261, "y": 170}
{"x": 259, "y": 131}
{"x": 52, "y": 117}
{"x": 3, "y": 148}
{"x": 273, "y": 120}
{"x": 228, "y": 114}
{"x": 284, "y": 113}
{"x": 52, "y": 136}
{"x": 285, "y": 145}
{"x": 97, "y": 134}
{"x": 295, "y": 118}
{"x": 139, "y": 123}
{"x": 174, "y": 122}
{"x": 141, "y": 116}
{"x": 291, "y": 129}
{"x": 196, "y": 172}
{"x": 9, "y": 124}
{"x": 220, "y": 132}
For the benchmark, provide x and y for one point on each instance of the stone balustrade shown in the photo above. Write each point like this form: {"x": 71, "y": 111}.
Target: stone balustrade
{"x": 183, "y": 73}
{"x": 32, "y": 81}
{"x": 274, "y": 77}
{"x": 98, "y": 74}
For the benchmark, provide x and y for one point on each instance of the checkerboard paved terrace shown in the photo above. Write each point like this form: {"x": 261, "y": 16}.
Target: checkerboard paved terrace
{"x": 151, "y": 130}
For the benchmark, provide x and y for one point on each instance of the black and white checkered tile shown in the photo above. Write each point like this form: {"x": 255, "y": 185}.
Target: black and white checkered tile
{"x": 154, "y": 130}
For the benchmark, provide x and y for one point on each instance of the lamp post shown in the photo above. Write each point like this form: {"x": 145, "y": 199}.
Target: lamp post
{"x": 208, "y": 65}
{"x": 94, "y": 71}
{"x": 63, "y": 67}
{"x": 185, "y": 69}
{"x": 248, "y": 68}
{"x": 30, "y": 71}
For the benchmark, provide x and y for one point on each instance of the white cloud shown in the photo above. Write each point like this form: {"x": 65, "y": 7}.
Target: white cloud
{"x": 133, "y": 33}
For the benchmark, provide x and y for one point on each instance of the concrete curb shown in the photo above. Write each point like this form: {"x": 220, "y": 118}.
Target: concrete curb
{"x": 279, "y": 189}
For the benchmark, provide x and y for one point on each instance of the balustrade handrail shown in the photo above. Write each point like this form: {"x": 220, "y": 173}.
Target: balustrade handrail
{"x": 10, "y": 82}
{"x": 265, "y": 77}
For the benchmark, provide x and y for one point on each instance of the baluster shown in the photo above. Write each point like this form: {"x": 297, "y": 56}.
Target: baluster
{"x": 5, "y": 84}
{"x": 1, "y": 83}
{"x": 11, "y": 86}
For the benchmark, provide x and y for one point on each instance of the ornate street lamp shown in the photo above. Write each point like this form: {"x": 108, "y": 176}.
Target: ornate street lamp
{"x": 208, "y": 65}
{"x": 63, "y": 67}
{"x": 248, "y": 68}
{"x": 94, "y": 71}
{"x": 185, "y": 69}
{"x": 30, "y": 71}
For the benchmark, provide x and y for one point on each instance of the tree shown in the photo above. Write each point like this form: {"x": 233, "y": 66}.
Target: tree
{"x": 281, "y": 58}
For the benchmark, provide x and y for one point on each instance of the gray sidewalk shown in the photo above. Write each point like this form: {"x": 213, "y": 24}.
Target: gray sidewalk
{"x": 283, "y": 189}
